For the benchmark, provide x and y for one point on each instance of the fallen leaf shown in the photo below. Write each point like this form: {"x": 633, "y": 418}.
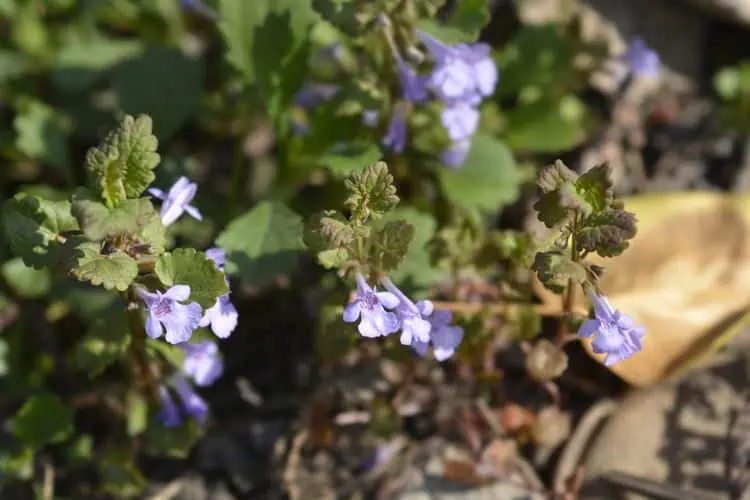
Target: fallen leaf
{"x": 686, "y": 277}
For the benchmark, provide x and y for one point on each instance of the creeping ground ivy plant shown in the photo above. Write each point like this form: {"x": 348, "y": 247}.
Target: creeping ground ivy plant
{"x": 111, "y": 235}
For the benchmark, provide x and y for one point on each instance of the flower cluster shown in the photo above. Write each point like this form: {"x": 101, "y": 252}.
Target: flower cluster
{"x": 203, "y": 366}
{"x": 613, "y": 333}
{"x": 462, "y": 76}
{"x": 386, "y": 312}
{"x": 167, "y": 311}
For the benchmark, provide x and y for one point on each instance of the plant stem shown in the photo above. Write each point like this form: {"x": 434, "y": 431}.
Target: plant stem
{"x": 144, "y": 375}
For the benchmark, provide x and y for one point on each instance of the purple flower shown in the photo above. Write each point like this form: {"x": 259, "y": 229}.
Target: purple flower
{"x": 445, "y": 337}
{"x": 313, "y": 94}
{"x": 414, "y": 328}
{"x": 169, "y": 414}
{"x": 218, "y": 255}
{"x": 395, "y": 137}
{"x": 199, "y": 8}
{"x": 462, "y": 72}
{"x": 413, "y": 86}
{"x": 165, "y": 312}
{"x": 176, "y": 202}
{"x": 456, "y": 154}
{"x": 460, "y": 121}
{"x": 615, "y": 334}
{"x": 643, "y": 61}
{"x": 202, "y": 362}
{"x": 222, "y": 316}
{"x": 194, "y": 405}
{"x": 370, "y": 117}
{"x": 370, "y": 307}
{"x": 485, "y": 70}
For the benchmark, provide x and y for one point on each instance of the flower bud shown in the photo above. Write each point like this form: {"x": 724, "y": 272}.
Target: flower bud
{"x": 545, "y": 361}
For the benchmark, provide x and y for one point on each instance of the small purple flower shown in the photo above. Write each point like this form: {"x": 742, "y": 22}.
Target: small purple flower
{"x": 445, "y": 337}
{"x": 643, "y": 61}
{"x": 218, "y": 255}
{"x": 413, "y": 86}
{"x": 370, "y": 117}
{"x": 165, "y": 312}
{"x": 314, "y": 94}
{"x": 222, "y": 316}
{"x": 456, "y": 154}
{"x": 414, "y": 328}
{"x": 202, "y": 362}
{"x": 485, "y": 70}
{"x": 370, "y": 307}
{"x": 615, "y": 334}
{"x": 395, "y": 137}
{"x": 199, "y": 8}
{"x": 462, "y": 72}
{"x": 176, "y": 202}
{"x": 194, "y": 405}
{"x": 460, "y": 121}
{"x": 169, "y": 414}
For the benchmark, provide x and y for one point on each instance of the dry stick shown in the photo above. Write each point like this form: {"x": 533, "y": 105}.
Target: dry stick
{"x": 48, "y": 488}
{"x": 475, "y": 307}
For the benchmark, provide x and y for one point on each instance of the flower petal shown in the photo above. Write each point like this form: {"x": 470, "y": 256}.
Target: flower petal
{"x": 154, "y": 329}
{"x": 388, "y": 300}
{"x": 351, "y": 311}
{"x": 178, "y": 292}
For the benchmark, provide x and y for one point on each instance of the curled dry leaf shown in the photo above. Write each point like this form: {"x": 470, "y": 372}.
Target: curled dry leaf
{"x": 551, "y": 428}
{"x": 686, "y": 277}
{"x": 545, "y": 361}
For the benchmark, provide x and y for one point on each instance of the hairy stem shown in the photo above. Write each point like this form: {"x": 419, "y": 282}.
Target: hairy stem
{"x": 142, "y": 370}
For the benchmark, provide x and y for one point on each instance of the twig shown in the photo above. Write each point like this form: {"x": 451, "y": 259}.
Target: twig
{"x": 474, "y": 307}
{"x": 48, "y": 488}
{"x": 170, "y": 490}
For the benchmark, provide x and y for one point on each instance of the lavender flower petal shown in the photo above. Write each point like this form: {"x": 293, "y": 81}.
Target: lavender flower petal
{"x": 202, "y": 362}
{"x": 369, "y": 307}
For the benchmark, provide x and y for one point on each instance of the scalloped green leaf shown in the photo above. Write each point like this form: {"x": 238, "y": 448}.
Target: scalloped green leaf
{"x": 34, "y": 227}
{"x": 186, "y": 266}
{"x": 114, "y": 271}
{"x": 123, "y": 164}
{"x": 263, "y": 244}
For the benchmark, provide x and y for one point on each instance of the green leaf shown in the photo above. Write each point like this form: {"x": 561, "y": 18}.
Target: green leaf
{"x": 470, "y": 16}
{"x": 607, "y": 232}
{"x": 99, "y": 222}
{"x": 268, "y": 41}
{"x": 43, "y": 419}
{"x": 17, "y": 465}
{"x": 552, "y": 177}
{"x": 143, "y": 83}
{"x": 186, "y": 266}
{"x": 263, "y": 243}
{"x": 174, "y": 442}
{"x": 554, "y": 269}
{"x": 445, "y": 33}
{"x": 371, "y": 192}
{"x": 390, "y": 245}
{"x": 594, "y": 188}
{"x": 40, "y": 134}
{"x": 114, "y": 271}
{"x": 77, "y": 66}
{"x": 33, "y": 227}
{"x": 548, "y": 126}
{"x": 343, "y": 164}
{"x": 417, "y": 270}
{"x": 119, "y": 476}
{"x": 26, "y": 281}
{"x": 488, "y": 180}
{"x": 172, "y": 353}
{"x": 105, "y": 342}
{"x": 124, "y": 162}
